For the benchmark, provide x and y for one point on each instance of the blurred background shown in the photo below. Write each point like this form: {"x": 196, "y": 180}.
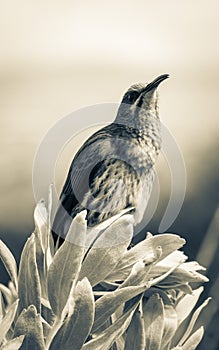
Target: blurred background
{"x": 57, "y": 57}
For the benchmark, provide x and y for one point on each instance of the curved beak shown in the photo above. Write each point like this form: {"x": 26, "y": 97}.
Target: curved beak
{"x": 154, "y": 84}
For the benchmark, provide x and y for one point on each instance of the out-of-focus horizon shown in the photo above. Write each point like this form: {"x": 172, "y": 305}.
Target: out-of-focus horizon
{"x": 60, "y": 56}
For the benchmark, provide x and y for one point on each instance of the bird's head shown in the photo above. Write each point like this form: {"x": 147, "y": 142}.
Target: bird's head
{"x": 140, "y": 99}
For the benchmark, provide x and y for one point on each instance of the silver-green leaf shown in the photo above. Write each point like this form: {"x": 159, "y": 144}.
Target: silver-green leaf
{"x": 107, "y": 304}
{"x": 193, "y": 321}
{"x": 135, "y": 337}
{"x": 66, "y": 265}
{"x": 7, "y": 320}
{"x": 14, "y": 344}
{"x": 9, "y": 262}
{"x": 170, "y": 325}
{"x": 103, "y": 256}
{"x": 147, "y": 250}
{"x": 29, "y": 289}
{"x": 194, "y": 340}
{"x": 29, "y": 323}
{"x": 76, "y": 328}
{"x": 153, "y": 311}
{"x": 105, "y": 339}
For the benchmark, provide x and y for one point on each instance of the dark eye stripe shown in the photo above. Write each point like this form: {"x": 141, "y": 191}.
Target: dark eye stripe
{"x": 132, "y": 96}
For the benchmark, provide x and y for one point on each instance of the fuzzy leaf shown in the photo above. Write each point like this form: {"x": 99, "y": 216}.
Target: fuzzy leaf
{"x": 14, "y": 344}
{"x": 29, "y": 289}
{"x": 162, "y": 277}
{"x": 107, "y": 304}
{"x": 186, "y": 304}
{"x": 7, "y": 320}
{"x": 76, "y": 328}
{"x": 29, "y": 323}
{"x": 106, "y": 338}
{"x": 147, "y": 250}
{"x": 41, "y": 218}
{"x": 135, "y": 338}
{"x": 66, "y": 265}
{"x": 180, "y": 276}
{"x": 93, "y": 232}
{"x": 9, "y": 262}
{"x": 168, "y": 242}
{"x": 192, "y": 322}
{"x": 194, "y": 340}
{"x": 153, "y": 312}
{"x": 139, "y": 273}
{"x": 170, "y": 324}
{"x": 13, "y": 290}
{"x": 42, "y": 230}
{"x": 40, "y": 259}
{"x": 103, "y": 256}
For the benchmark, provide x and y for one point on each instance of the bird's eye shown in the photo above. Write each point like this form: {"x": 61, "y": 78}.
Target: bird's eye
{"x": 132, "y": 96}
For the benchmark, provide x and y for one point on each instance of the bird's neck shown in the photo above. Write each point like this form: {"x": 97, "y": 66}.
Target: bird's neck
{"x": 143, "y": 121}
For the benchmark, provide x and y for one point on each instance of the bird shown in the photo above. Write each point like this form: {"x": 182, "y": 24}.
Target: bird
{"x": 114, "y": 168}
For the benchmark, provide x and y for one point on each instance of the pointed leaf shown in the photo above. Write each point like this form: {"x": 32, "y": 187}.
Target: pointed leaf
{"x": 194, "y": 340}
{"x": 66, "y": 265}
{"x": 13, "y": 290}
{"x": 147, "y": 250}
{"x": 162, "y": 277}
{"x": 42, "y": 231}
{"x": 93, "y": 232}
{"x": 76, "y": 328}
{"x": 180, "y": 276}
{"x": 49, "y": 243}
{"x": 106, "y": 338}
{"x": 193, "y": 320}
{"x": 170, "y": 324}
{"x": 9, "y": 262}
{"x": 7, "y": 320}
{"x": 104, "y": 254}
{"x": 135, "y": 338}
{"x": 107, "y": 305}
{"x": 7, "y": 293}
{"x": 14, "y": 344}
{"x": 29, "y": 323}
{"x": 40, "y": 260}
{"x": 186, "y": 304}
{"x": 40, "y": 219}
{"x": 29, "y": 289}
{"x": 139, "y": 273}
{"x": 153, "y": 311}
{"x": 168, "y": 242}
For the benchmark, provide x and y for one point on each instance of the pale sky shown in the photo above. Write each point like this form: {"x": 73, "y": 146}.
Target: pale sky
{"x": 127, "y": 32}
{"x": 58, "y": 56}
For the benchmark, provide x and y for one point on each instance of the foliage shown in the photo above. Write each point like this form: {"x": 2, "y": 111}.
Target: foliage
{"x": 95, "y": 292}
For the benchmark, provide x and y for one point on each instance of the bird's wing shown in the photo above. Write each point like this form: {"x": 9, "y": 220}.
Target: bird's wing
{"x": 94, "y": 174}
{"x": 95, "y": 149}
{"x": 113, "y": 183}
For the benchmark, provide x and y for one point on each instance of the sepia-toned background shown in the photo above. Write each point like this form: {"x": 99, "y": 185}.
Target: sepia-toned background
{"x": 56, "y": 57}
